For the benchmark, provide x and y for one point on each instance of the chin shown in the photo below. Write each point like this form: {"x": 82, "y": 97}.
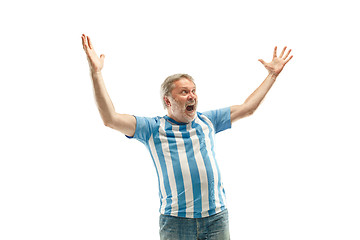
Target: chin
{"x": 190, "y": 118}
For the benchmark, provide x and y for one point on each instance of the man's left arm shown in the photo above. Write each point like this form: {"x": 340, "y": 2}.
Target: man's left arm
{"x": 253, "y": 101}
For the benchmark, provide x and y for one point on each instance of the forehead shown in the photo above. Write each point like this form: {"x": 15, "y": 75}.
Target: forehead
{"x": 183, "y": 83}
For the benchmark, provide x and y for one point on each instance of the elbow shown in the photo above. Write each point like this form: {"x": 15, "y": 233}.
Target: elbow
{"x": 250, "y": 109}
{"x": 107, "y": 124}
{"x": 106, "y": 116}
{"x": 241, "y": 111}
{"x": 250, "y": 112}
{"x": 107, "y": 121}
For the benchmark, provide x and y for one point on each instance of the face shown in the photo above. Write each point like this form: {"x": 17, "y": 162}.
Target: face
{"x": 183, "y": 103}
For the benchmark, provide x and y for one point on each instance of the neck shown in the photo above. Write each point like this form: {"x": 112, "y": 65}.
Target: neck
{"x": 179, "y": 120}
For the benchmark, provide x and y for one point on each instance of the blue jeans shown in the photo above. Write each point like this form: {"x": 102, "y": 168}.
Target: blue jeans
{"x": 215, "y": 227}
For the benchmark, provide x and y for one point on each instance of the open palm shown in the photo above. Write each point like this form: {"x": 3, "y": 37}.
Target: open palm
{"x": 277, "y": 64}
{"x": 96, "y": 63}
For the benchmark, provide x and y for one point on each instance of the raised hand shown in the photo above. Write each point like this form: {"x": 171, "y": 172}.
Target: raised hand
{"x": 277, "y": 64}
{"x": 96, "y": 63}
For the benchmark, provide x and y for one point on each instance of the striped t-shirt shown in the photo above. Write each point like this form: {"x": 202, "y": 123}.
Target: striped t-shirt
{"x": 183, "y": 153}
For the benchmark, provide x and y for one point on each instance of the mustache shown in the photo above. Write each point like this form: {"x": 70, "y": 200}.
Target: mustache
{"x": 190, "y": 103}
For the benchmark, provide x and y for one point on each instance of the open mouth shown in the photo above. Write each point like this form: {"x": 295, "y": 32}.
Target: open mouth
{"x": 190, "y": 108}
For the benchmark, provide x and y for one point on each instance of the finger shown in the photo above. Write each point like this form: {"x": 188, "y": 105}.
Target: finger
{"x": 282, "y": 52}
{"x": 274, "y": 56}
{"x": 288, "y": 59}
{"x": 89, "y": 42}
{"x": 102, "y": 57}
{"x": 287, "y": 54}
{"x": 262, "y": 61}
{"x": 84, "y": 41}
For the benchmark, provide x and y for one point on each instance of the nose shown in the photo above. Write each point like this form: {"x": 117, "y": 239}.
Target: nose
{"x": 191, "y": 96}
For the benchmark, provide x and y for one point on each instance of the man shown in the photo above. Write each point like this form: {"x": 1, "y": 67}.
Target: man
{"x": 181, "y": 145}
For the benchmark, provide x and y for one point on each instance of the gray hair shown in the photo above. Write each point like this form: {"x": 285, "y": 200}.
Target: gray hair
{"x": 168, "y": 85}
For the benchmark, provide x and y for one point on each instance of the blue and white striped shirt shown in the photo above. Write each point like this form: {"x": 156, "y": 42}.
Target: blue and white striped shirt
{"x": 188, "y": 175}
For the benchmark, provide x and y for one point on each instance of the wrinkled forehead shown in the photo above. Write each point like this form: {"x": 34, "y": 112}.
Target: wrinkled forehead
{"x": 183, "y": 83}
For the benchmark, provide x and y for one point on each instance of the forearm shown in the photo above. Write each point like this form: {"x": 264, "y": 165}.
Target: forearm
{"x": 254, "y": 100}
{"x": 103, "y": 101}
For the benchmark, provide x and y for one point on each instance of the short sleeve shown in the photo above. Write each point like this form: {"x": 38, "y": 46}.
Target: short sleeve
{"x": 220, "y": 118}
{"x": 144, "y": 128}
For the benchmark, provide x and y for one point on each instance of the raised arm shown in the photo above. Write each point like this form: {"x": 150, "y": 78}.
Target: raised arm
{"x": 253, "y": 101}
{"x": 122, "y": 122}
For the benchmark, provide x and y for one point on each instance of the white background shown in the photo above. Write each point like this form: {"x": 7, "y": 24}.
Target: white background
{"x": 291, "y": 171}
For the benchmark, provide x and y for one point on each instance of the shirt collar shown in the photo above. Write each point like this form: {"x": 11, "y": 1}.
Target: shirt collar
{"x": 175, "y": 122}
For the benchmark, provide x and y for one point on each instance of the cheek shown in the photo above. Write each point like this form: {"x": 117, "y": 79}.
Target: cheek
{"x": 176, "y": 105}
{"x": 181, "y": 101}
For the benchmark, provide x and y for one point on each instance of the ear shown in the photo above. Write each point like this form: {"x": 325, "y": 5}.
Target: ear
{"x": 167, "y": 101}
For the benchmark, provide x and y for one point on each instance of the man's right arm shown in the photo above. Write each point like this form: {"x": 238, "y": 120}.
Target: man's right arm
{"x": 122, "y": 122}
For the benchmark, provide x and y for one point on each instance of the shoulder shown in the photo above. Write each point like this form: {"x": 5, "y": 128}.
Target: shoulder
{"x": 217, "y": 113}
{"x": 147, "y": 120}
{"x": 220, "y": 118}
{"x": 145, "y": 127}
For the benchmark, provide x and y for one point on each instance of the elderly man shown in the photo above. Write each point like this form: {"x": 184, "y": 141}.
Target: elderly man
{"x": 181, "y": 145}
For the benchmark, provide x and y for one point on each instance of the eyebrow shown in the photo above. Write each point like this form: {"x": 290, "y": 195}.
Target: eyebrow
{"x": 181, "y": 88}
